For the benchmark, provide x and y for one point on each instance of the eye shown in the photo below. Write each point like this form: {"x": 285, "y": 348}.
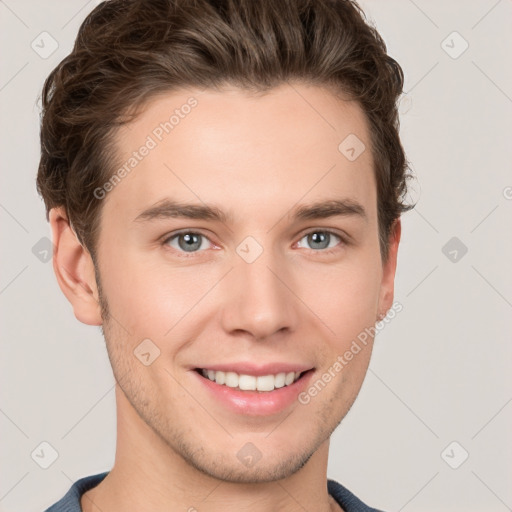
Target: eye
{"x": 189, "y": 242}
{"x": 186, "y": 241}
{"x": 322, "y": 240}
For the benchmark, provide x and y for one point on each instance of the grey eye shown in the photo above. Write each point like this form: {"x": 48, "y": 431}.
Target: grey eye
{"x": 187, "y": 241}
{"x": 318, "y": 240}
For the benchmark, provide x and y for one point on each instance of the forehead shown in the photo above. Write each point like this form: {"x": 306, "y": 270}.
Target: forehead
{"x": 248, "y": 152}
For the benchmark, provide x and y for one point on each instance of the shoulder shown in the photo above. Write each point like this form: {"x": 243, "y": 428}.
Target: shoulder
{"x": 348, "y": 501}
{"x": 70, "y": 502}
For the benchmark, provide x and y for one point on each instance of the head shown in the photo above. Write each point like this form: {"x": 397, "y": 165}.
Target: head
{"x": 249, "y": 112}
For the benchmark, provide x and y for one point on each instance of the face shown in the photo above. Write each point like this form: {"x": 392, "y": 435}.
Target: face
{"x": 212, "y": 257}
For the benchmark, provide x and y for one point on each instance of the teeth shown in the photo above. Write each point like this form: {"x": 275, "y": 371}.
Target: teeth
{"x": 220, "y": 377}
{"x": 231, "y": 379}
{"x": 289, "y": 378}
{"x": 247, "y": 382}
{"x": 279, "y": 380}
{"x": 250, "y": 382}
{"x": 265, "y": 383}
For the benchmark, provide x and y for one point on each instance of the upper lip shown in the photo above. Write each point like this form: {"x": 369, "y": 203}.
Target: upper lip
{"x": 250, "y": 368}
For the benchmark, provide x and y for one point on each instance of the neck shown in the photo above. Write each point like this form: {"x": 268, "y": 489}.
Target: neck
{"x": 149, "y": 475}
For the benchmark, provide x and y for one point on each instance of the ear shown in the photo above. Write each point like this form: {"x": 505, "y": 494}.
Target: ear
{"x": 74, "y": 269}
{"x": 387, "y": 288}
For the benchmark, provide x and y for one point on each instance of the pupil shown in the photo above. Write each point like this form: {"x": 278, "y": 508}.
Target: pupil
{"x": 320, "y": 238}
{"x": 191, "y": 241}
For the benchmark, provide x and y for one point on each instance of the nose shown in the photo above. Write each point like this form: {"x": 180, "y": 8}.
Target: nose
{"x": 258, "y": 298}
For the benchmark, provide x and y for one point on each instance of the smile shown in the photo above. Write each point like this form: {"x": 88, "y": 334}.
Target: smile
{"x": 244, "y": 382}
{"x": 254, "y": 390}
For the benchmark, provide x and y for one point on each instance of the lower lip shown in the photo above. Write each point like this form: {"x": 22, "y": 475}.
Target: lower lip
{"x": 256, "y": 403}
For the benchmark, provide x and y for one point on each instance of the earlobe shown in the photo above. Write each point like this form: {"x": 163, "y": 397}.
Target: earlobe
{"x": 74, "y": 269}
{"x": 387, "y": 288}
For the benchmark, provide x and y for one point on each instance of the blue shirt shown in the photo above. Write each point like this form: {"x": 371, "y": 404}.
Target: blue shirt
{"x": 71, "y": 501}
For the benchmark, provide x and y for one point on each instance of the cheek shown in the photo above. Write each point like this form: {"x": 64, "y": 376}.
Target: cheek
{"x": 345, "y": 298}
{"x": 148, "y": 299}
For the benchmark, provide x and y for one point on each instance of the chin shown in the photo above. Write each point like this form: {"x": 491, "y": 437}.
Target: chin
{"x": 262, "y": 472}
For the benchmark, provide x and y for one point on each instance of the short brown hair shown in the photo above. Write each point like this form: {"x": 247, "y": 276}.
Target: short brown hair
{"x": 128, "y": 51}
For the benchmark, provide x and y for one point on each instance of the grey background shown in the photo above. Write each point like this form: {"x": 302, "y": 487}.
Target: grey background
{"x": 441, "y": 369}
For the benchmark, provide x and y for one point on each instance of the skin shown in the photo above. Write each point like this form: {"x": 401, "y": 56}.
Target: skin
{"x": 256, "y": 157}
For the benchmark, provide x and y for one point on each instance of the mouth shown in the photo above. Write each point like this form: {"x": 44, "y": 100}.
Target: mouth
{"x": 246, "y": 382}
{"x": 250, "y": 389}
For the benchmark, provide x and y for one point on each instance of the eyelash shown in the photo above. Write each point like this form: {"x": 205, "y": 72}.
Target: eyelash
{"x": 183, "y": 254}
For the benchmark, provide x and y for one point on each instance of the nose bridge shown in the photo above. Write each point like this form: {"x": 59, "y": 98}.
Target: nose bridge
{"x": 257, "y": 299}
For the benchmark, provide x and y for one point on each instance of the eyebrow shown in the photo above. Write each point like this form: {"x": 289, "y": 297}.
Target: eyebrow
{"x": 169, "y": 208}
